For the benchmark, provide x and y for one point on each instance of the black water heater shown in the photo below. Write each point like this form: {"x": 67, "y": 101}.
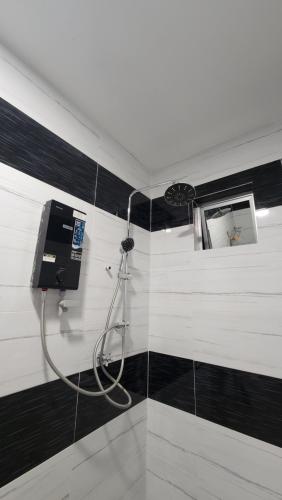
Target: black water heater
{"x": 59, "y": 248}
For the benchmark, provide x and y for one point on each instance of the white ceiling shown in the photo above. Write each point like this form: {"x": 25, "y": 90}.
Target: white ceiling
{"x": 167, "y": 79}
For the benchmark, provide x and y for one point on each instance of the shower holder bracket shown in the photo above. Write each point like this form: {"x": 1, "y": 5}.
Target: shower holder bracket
{"x": 122, "y": 324}
{"x": 124, "y": 276}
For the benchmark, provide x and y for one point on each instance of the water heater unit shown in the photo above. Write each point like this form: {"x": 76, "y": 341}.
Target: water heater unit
{"x": 59, "y": 248}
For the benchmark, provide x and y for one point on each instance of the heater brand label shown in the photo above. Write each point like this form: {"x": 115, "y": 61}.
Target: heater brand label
{"x": 48, "y": 257}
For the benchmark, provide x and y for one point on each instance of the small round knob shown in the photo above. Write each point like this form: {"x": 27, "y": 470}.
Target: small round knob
{"x": 60, "y": 276}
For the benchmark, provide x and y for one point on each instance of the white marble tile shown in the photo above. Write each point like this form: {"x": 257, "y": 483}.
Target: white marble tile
{"x": 116, "y": 485}
{"x": 137, "y": 491}
{"x": 172, "y": 473}
{"x": 250, "y": 467}
{"x": 37, "y": 192}
{"x": 109, "y": 461}
{"x": 50, "y": 480}
{"x": 241, "y": 332}
{"x": 170, "y": 324}
{"x": 173, "y": 240}
{"x": 159, "y": 487}
{"x": 22, "y": 363}
{"x": 224, "y": 464}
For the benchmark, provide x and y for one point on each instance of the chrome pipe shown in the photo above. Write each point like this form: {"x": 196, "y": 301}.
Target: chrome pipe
{"x": 145, "y": 188}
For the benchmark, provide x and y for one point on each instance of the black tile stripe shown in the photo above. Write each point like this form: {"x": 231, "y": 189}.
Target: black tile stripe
{"x": 35, "y": 424}
{"x": 36, "y": 151}
{"x": 93, "y": 412}
{"x": 165, "y": 216}
{"x": 245, "y": 402}
{"x": 265, "y": 181}
{"x": 242, "y": 401}
{"x": 39, "y": 422}
{"x": 33, "y": 149}
{"x": 171, "y": 381}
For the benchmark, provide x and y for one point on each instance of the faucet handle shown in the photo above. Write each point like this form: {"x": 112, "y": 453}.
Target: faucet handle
{"x": 105, "y": 359}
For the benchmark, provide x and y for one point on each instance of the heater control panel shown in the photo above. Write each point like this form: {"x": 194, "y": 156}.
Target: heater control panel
{"x": 59, "y": 248}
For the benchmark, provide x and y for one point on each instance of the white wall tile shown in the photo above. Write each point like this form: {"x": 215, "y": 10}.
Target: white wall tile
{"x": 190, "y": 456}
{"x": 109, "y": 461}
{"x": 48, "y": 481}
{"x": 137, "y": 491}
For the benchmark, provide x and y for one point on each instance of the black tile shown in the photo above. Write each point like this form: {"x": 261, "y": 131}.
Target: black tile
{"x": 265, "y": 181}
{"x": 35, "y": 424}
{"x": 242, "y": 401}
{"x": 94, "y": 412}
{"x": 31, "y": 148}
{"x": 112, "y": 195}
{"x": 135, "y": 375}
{"x": 171, "y": 381}
{"x": 165, "y": 216}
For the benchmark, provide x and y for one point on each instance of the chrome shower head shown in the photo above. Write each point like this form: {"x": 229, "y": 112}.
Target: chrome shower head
{"x": 179, "y": 195}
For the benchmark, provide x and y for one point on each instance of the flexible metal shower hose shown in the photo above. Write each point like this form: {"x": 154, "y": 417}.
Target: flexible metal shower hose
{"x": 101, "y": 340}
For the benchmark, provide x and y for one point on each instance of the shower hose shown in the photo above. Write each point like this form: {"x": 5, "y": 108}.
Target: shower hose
{"x": 120, "y": 327}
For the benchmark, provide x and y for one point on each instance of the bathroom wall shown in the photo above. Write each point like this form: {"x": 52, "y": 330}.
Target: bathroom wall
{"x": 215, "y": 376}
{"x": 214, "y": 407}
{"x": 50, "y": 438}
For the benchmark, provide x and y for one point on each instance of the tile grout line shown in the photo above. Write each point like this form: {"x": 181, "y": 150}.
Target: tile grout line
{"x": 96, "y": 184}
{"x": 76, "y": 410}
{"x": 148, "y": 367}
{"x": 194, "y": 382}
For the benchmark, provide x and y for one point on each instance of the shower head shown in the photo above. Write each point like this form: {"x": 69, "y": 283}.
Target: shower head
{"x": 221, "y": 212}
{"x": 179, "y": 195}
{"x": 127, "y": 244}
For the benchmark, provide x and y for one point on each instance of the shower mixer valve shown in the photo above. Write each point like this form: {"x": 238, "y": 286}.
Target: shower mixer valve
{"x": 105, "y": 359}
